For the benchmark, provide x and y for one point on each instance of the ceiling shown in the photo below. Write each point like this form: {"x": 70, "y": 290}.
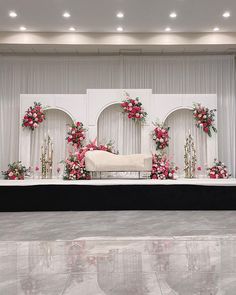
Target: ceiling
{"x": 100, "y": 15}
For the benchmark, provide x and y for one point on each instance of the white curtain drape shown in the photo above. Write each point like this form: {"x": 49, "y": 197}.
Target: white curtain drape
{"x": 124, "y": 133}
{"x": 163, "y": 74}
{"x": 56, "y": 126}
{"x": 181, "y": 123}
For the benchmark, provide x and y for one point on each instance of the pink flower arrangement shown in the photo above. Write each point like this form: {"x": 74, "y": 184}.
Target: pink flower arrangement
{"x": 76, "y": 134}
{"x": 75, "y": 163}
{"x": 34, "y": 116}
{"x": 133, "y": 108}
{"x": 15, "y": 171}
{"x": 205, "y": 118}
{"x": 162, "y": 168}
{"x": 161, "y": 136}
{"x": 218, "y": 170}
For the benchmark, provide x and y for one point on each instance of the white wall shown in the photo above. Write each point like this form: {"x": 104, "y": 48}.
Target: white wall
{"x": 88, "y": 107}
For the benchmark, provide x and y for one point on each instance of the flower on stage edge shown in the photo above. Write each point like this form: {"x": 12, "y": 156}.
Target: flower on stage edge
{"x": 162, "y": 168}
{"x": 15, "y": 171}
{"x": 218, "y": 170}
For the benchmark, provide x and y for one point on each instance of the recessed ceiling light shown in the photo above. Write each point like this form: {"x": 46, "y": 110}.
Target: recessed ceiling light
{"x": 12, "y": 14}
{"x": 119, "y": 29}
{"x": 173, "y": 14}
{"x": 226, "y": 14}
{"x": 120, "y": 15}
{"x": 66, "y": 14}
{"x": 22, "y": 28}
{"x": 167, "y": 29}
{"x": 71, "y": 29}
{"x": 216, "y": 29}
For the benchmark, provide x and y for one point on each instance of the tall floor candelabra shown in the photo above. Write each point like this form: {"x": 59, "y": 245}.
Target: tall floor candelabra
{"x": 46, "y": 158}
{"x": 190, "y": 158}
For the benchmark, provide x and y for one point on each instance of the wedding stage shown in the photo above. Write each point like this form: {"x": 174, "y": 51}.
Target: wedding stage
{"x": 118, "y": 194}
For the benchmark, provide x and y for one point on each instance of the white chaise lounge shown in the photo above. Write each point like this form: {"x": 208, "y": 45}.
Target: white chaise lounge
{"x": 101, "y": 161}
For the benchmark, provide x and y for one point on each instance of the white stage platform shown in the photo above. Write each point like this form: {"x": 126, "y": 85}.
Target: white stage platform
{"x": 109, "y": 182}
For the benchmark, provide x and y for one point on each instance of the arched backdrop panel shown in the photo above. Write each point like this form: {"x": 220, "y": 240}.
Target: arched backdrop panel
{"x": 115, "y": 126}
{"x": 181, "y": 122}
{"x": 56, "y": 125}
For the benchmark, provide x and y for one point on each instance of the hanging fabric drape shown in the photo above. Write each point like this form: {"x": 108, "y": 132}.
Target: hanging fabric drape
{"x": 162, "y": 74}
{"x": 123, "y": 132}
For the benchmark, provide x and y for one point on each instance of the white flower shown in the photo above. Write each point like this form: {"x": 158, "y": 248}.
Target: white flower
{"x": 170, "y": 174}
{"x": 163, "y": 130}
{"x": 70, "y": 136}
{"x": 35, "y": 125}
{"x": 199, "y": 116}
{"x": 34, "y": 115}
{"x": 141, "y": 115}
{"x": 81, "y": 138}
{"x": 11, "y": 173}
{"x": 204, "y": 117}
{"x": 201, "y": 125}
{"x": 73, "y": 132}
{"x": 161, "y": 140}
{"x": 154, "y": 137}
{"x": 137, "y": 115}
{"x": 30, "y": 114}
{"x": 36, "y": 119}
{"x": 136, "y": 102}
{"x": 130, "y": 104}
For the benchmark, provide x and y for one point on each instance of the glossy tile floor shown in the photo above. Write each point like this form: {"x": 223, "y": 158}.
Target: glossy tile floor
{"x": 120, "y": 253}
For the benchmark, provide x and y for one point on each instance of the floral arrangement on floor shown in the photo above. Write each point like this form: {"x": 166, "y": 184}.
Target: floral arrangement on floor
{"x": 218, "y": 170}
{"x": 75, "y": 163}
{"x": 205, "y": 118}
{"x": 15, "y": 171}
{"x": 160, "y": 135}
{"x": 34, "y": 116}
{"x": 162, "y": 168}
{"x": 134, "y": 109}
{"x": 76, "y": 134}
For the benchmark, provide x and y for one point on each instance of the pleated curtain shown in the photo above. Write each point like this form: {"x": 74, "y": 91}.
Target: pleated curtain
{"x": 163, "y": 74}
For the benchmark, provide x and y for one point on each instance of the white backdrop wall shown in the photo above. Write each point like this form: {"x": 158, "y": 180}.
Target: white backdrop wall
{"x": 166, "y": 75}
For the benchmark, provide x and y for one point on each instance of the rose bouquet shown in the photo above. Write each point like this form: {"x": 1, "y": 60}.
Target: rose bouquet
{"x": 76, "y": 134}
{"x": 15, "y": 171}
{"x": 205, "y": 118}
{"x": 218, "y": 170}
{"x": 134, "y": 109}
{"x": 34, "y": 116}
{"x": 160, "y": 135}
{"x": 162, "y": 168}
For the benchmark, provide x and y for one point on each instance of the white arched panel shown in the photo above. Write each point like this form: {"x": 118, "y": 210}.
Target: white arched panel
{"x": 124, "y": 133}
{"x": 181, "y": 123}
{"x": 56, "y": 126}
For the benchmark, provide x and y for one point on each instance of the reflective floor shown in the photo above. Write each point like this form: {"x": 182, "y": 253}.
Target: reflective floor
{"x": 120, "y": 253}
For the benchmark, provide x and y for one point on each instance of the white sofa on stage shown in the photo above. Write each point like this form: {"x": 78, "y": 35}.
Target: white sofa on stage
{"x": 102, "y": 161}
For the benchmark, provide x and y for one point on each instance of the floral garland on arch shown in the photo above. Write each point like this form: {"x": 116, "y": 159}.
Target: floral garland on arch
{"x": 162, "y": 168}
{"x": 218, "y": 170}
{"x": 34, "y": 115}
{"x": 205, "y": 118}
{"x": 133, "y": 108}
{"x": 15, "y": 171}
{"x": 160, "y": 136}
{"x": 76, "y": 134}
{"x": 75, "y": 163}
